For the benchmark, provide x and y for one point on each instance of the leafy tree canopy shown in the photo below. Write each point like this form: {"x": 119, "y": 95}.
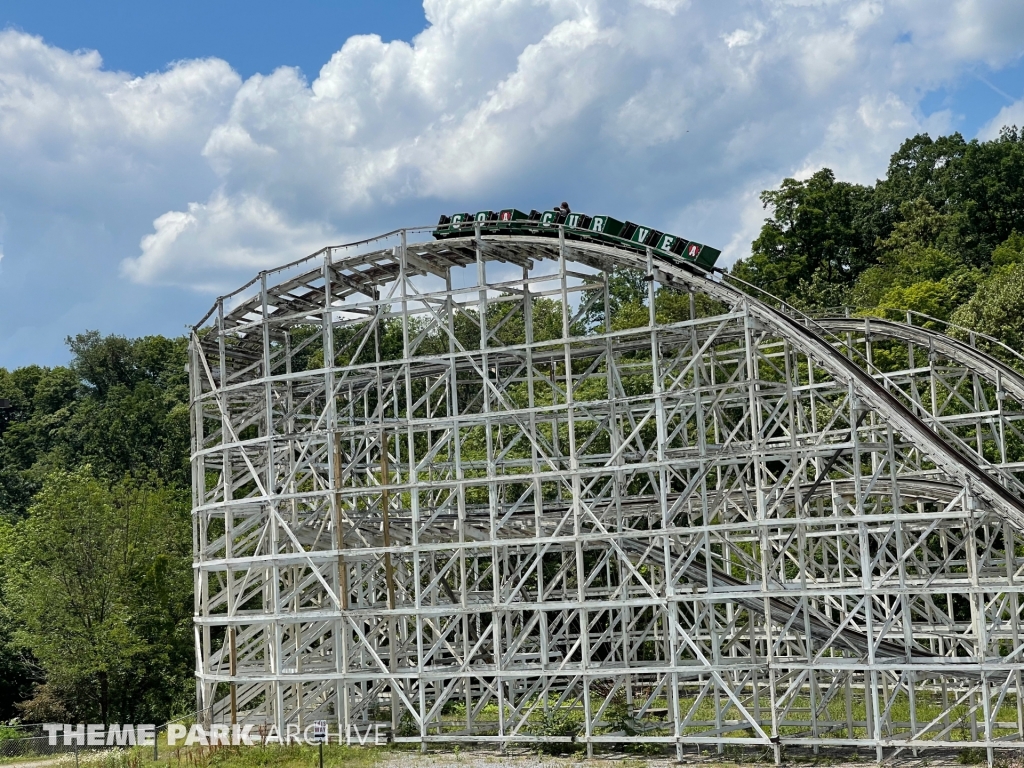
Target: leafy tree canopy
{"x": 95, "y": 585}
{"x": 932, "y": 237}
{"x": 121, "y": 406}
{"x": 100, "y": 580}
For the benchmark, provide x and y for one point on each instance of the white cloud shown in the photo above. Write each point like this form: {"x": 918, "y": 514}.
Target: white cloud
{"x": 63, "y": 117}
{"x": 986, "y": 30}
{"x": 214, "y": 241}
{"x": 740, "y": 37}
{"x": 863, "y": 14}
{"x": 1011, "y": 114}
{"x": 674, "y": 112}
{"x": 669, "y": 6}
{"x": 860, "y": 137}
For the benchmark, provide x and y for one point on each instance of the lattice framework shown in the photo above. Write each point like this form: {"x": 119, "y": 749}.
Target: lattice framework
{"x": 436, "y": 488}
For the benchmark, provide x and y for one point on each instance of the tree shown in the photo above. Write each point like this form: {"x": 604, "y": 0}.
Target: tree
{"x": 814, "y": 236}
{"x": 979, "y": 185}
{"x": 121, "y": 406}
{"x": 97, "y": 580}
{"x": 17, "y": 675}
{"x": 824, "y": 234}
{"x": 997, "y": 308}
{"x": 625, "y": 287}
{"x": 1010, "y": 251}
{"x": 920, "y": 169}
{"x": 986, "y": 194}
{"x": 917, "y": 268}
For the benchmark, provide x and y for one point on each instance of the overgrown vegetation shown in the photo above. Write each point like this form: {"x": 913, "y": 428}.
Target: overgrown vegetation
{"x": 267, "y": 756}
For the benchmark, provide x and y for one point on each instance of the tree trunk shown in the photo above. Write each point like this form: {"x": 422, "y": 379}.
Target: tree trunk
{"x": 104, "y": 698}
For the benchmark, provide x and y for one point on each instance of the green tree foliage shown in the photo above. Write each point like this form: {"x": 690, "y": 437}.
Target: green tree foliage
{"x": 100, "y": 580}
{"x": 1009, "y": 252}
{"x": 917, "y": 267}
{"x": 121, "y": 408}
{"x": 816, "y": 236}
{"x": 17, "y": 675}
{"x": 931, "y": 237}
{"x": 979, "y": 184}
{"x": 997, "y": 308}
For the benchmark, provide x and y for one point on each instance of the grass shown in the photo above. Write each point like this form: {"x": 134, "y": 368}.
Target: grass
{"x": 795, "y": 722}
{"x": 270, "y": 756}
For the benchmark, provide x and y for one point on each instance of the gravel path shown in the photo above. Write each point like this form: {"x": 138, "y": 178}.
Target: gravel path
{"x": 482, "y": 759}
{"x": 524, "y": 759}
{"x": 30, "y": 764}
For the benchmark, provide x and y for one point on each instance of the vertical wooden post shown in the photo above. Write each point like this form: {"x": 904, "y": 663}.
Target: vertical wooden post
{"x": 385, "y": 503}
{"x": 233, "y": 670}
{"x": 339, "y": 532}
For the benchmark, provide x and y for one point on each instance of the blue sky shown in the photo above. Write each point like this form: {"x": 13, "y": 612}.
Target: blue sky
{"x": 253, "y": 36}
{"x": 977, "y": 95}
{"x": 154, "y": 155}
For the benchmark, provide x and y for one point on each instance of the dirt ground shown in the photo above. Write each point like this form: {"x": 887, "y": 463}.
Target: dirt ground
{"x": 523, "y": 758}
{"x": 529, "y": 759}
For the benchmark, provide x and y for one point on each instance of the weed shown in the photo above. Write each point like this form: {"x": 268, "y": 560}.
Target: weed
{"x": 971, "y": 756}
{"x": 562, "y": 724}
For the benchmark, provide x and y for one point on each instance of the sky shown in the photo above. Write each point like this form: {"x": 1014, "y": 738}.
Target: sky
{"x": 155, "y": 155}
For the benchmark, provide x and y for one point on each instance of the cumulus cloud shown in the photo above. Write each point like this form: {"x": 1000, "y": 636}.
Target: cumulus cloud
{"x": 673, "y": 112}
{"x": 241, "y": 234}
{"x": 858, "y": 140}
{"x": 672, "y": 98}
{"x": 985, "y": 30}
{"x": 1011, "y": 114}
{"x": 740, "y": 37}
{"x": 70, "y": 128}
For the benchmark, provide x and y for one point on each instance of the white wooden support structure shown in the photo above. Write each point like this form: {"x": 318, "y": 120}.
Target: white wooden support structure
{"x": 437, "y": 489}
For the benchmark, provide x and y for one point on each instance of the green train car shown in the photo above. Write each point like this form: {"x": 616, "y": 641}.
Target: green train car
{"x": 578, "y": 226}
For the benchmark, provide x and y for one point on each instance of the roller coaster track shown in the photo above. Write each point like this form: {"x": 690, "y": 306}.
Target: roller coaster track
{"x": 437, "y": 489}
{"x": 989, "y": 367}
{"x": 812, "y": 338}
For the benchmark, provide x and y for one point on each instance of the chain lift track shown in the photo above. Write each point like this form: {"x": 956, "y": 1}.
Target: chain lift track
{"x": 438, "y": 492}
